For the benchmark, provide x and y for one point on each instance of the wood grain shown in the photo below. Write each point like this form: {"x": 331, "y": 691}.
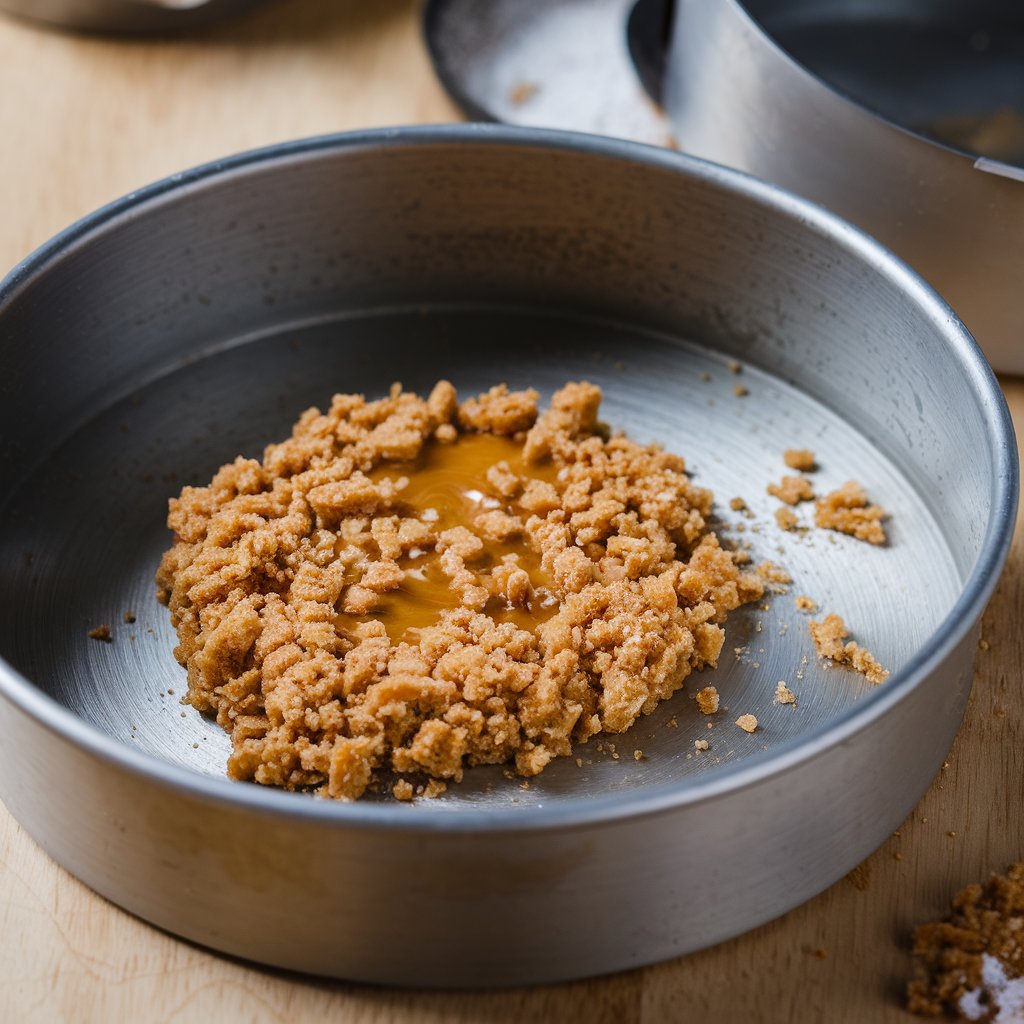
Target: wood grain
{"x": 85, "y": 120}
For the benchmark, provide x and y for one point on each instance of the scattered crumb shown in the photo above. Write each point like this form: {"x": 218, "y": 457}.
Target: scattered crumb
{"x": 983, "y": 644}
{"x": 522, "y": 93}
{"x": 748, "y": 723}
{"x": 818, "y": 953}
{"x": 783, "y": 694}
{"x": 951, "y": 834}
{"x": 860, "y": 877}
{"x": 673, "y": 723}
{"x": 740, "y": 391}
{"x": 579, "y": 762}
{"x": 786, "y": 518}
{"x": 101, "y": 633}
{"x": 639, "y": 755}
{"x": 846, "y": 510}
{"x": 707, "y": 700}
{"x": 775, "y": 577}
{"x": 738, "y": 505}
{"x": 735, "y": 366}
{"x": 129, "y": 617}
{"x": 805, "y": 604}
{"x": 701, "y": 744}
{"x": 705, "y": 376}
{"x": 828, "y": 636}
{"x": 801, "y": 459}
{"x": 971, "y": 965}
{"x": 402, "y": 790}
{"x": 792, "y": 490}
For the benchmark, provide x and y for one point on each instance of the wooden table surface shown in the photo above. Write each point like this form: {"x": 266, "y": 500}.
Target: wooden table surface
{"x": 85, "y": 120}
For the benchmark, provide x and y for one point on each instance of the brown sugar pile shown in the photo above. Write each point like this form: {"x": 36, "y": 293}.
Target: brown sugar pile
{"x": 847, "y": 510}
{"x": 829, "y": 636}
{"x": 413, "y": 586}
{"x": 971, "y": 966}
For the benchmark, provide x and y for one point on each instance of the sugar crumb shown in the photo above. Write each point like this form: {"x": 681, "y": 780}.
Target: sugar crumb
{"x": 786, "y": 519}
{"x": 748, "y": 723}
{"x": 792, "y": 490}
{"x": 707, "y": 700}
{"x": 846, "y": 510}
{"x": 828, "y": 636}
{"x": 783, "y": 694}
{"x": 802, "y": 459}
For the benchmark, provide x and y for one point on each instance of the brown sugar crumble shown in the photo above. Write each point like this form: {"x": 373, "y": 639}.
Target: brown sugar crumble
{"x": 738, "y": 505}
{"x": 802, "y": 459}
{"x": 412, "y": 586}
{"x": 786, "y": 518}
{"x": 783, "y": 694}
{"x": 805, "y": 604}
{"x": 971, "y": 965}
{"x": 128, "y": 617}
{"x": 707, "y": 700}
{"x": 101, "y": 633}
{"x": 829, "y": 636}
{"x": 522, "y": 93}
{"x": 701, "y": 745}
{"x": 748, "y": 723}
{"x": 792, "y": 490}
{"x": 775, "y": 577}
{"x": 846, "y": 510}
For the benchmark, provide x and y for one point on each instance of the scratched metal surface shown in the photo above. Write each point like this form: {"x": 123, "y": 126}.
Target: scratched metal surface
{"x": 88, "y": 529}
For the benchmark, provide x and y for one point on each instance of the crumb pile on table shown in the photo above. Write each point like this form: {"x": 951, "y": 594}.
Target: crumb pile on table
{"x": 411, "y": 586}
{"x": 971, "y": 965}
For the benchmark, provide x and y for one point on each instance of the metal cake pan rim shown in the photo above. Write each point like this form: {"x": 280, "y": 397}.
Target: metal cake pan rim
{"x": 572, "y": 812}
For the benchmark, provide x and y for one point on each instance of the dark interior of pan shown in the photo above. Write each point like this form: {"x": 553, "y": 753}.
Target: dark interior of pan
{"x": 952, "y": 70}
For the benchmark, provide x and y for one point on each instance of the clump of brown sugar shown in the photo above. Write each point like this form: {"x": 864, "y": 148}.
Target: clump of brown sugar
{"x": 707, "y": 700}
{"x": 413, "y": 586}
{"x": 971, "y": 965}
{"x": 847, "y": 510}
{"x": 748, "y": 723}
{"x": 775, "y": 577}
{"x": 792, "y": 490}
{"x": 829, "y": 636}
{"x": 802, "y": 459}
{"x": 805, "y": 604}
{"x": 783, "y": 694}
{"x": 101, "y": 633}
{"x": 786, "y": 518}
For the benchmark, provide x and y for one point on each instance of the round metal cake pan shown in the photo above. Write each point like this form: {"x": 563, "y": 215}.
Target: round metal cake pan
{"x": 194, "y": 320}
